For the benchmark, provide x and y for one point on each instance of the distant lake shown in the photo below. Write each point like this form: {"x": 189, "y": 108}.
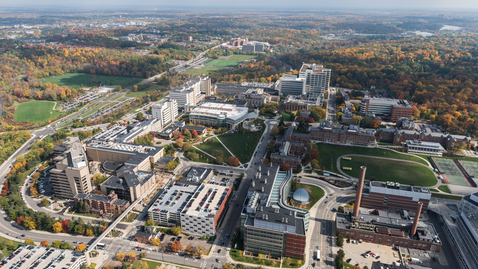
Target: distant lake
{"x": 424, "y": 34}
{"x": 450, "y": 28}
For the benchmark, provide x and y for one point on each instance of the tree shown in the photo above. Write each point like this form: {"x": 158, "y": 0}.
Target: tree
{"x": 176, "y": 246}
{"x": 28, "y": 241}
{"x": 179, "y": 142}
{"x": 139, "y": 264}
{"x": 315, "y": 164}
{"x": 187, "y": 146}
{"x": 57, "y": 227}
{"x": 338, "y": 116}
{"x": 29, "y": 223}
{"x": 44, "y": 202}
{"x": 155, "y": 242}
{"x": 171, "y": 165}
{"x": 313, "y": 154}
{"x": 219, "y": 160}
{"x": 140, "y": 116}
{"x": 340, "y": 239}
{"x": 56, "y": 244}
{"x": 285, "y": 167}
{"x": 120, "y": 256}
{"x": 177, "y": 230}
{"x": 142, "y": 255}
{"x": 357, "y": 119}
{"x": 233, "y": 161}
{"x": 194, "y": 133}
{"x": 375, "y": 124}
{"x": 44, "y": 243}
{"x": 80, "y": 247}
{"x": 227, "y": 266}
{"x": 275, "y": 131}
{"x": 189, "y": 250}
{"x": 193, "y": 156}
{"x": 10, "y": 245}
{"x": 149, "y": 222}
{"x": 199, "y": 251}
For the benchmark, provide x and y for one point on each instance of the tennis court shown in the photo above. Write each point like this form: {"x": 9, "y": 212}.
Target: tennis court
{"x": 471, "y": 168}
{"x": 451, "y": 173}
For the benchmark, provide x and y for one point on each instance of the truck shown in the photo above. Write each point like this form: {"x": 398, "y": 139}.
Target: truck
{"x": 326, "y": 174}
{"x": 317, "y": 253}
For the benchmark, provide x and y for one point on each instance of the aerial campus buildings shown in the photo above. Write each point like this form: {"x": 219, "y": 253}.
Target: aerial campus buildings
{"x": 389, "y": 214}
{"x": 218, "y": 115}
{"x": 386, "y": 108}
{"x": 42, "y": 257}
{"x": 313, "y": 81}
{"x": 192, "y": 92}
{"x": 196, "y": 202}
{"x": 269, "y": 225}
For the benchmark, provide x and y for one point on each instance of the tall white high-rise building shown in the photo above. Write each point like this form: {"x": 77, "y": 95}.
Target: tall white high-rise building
{"x": 292, "y": 85}
{"x": 317, "y": 78}
{"x": 199, "y": 87}
{"x": 183, "y": 97}
{"x": 166, "y": 112}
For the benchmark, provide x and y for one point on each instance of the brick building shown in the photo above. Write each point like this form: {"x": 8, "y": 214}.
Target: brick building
{"x": 386, "y": 108}
{"x": 343, "y": 135}
{"x": 100, "y": 204}
{"x": 399, "y": 137}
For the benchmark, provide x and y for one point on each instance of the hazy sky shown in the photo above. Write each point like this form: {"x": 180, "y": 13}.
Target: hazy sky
{"x": 301, "y": 5}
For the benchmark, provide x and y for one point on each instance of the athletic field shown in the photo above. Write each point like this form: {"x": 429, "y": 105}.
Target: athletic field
{"x": 36, "y": 112}
{"x": 238, "y": 57}
{"x": 471, "y": 168}
{"x": 223, "y": 63}
{"x": 451, "y": 173}
{"x": 77, "y": 79}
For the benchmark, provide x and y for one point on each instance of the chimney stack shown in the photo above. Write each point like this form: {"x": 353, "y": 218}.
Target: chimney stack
{"x": 415, "y": 220}
{"x": 358, "y": 196}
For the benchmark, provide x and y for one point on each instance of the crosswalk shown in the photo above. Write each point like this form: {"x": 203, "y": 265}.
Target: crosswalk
{"x": 204, "y": 265}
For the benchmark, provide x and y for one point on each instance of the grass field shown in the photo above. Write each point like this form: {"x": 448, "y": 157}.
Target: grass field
{"x": 329, "y": 154}
{"x": 77, "y": 79}
{"x": 202, "y": 70}
{"x": 242, "y": 145}
{"x": 36, "y": 111}
{"x": 444, "y": 188}
{"x": 203, "y": 158}
{"x": 389, "y": 170}
{"x": 286, "y": 116}
{"x": 213, "y": 147}
{"x": 153, "y": 265}
{"x": 224, "y": 63}
{"x": 150, "y": 89}
{"x": 238, "y": 57}
{"x": 7, "y": 252}
{"x": 445, "y": 196}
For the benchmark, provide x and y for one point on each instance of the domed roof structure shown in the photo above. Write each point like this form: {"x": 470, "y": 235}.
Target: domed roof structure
{"x": 301, "y": 196}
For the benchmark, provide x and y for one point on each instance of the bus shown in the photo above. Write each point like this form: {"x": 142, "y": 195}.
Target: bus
{"x": 101, "y": 245}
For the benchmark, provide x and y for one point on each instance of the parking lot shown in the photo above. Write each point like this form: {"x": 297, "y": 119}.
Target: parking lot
{"x": 355, "y": 252}
{"x": 192, "y": 240}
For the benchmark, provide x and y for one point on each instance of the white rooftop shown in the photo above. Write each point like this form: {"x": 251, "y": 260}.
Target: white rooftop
{"x": 220, "y": 110}
{"x": 424, "y": 144}
{"x": 207, "y": 200}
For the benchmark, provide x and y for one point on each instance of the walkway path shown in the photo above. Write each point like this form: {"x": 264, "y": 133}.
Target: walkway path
{"x": 204, "y": 152}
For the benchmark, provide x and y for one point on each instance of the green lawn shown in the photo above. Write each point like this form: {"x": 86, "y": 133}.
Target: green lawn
{"x": 150, "y": 89}
{"x": 130, "y": 218}
{"x": 77, "y": 79}
{"x": 242, "y": 145}
{"x": 152, "y": 265}
{"x": 286, "y": 116}
{"x": 36, "y": 111}
{"x": 238, "y": 57}
{"x": 203, "y": 158}
{"x": 445, "y": 196}
{"x": 202, "y": 70}
{"x": 224, "y": 63}
{"x": 390, "y": 170}
{"x": 329, "y": 154}
{"x": 235, "y": 256}
{"x": 7, "y": 252}
{"x": 315, "y": 193}
{"x": 444, "y": 188}
{"x": 213, "y": 147}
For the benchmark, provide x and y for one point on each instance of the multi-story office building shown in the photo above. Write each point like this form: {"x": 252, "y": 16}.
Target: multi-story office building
{"x": 127, "y": 134}
{"x": 217, "y": 115}
{"x": 165, "y": 112}
{"x": 71, "y": 174}
{"x": 386, "y": 108}
{"x": 130, "y": 162}
{"x": 352, "y": 135}
{"x": 256, "y": 98}
{"x": 467, "y": 224}
{"x": 101, "y": 204}
{"x": 41, "y": 257}
{"x": 254, "y": 46}
{"x": 393, "y": 226}
{"x": 197, "y": 206}
{"x": 469, "y": 205}
{"x": 182, "y": 96}
{"x": 292, "y": 85}
{"x": 268, "y": 224}
{"x": 317, "y": 79}
{"x": 192, "y": 92}
{"x": 299, "y": 103}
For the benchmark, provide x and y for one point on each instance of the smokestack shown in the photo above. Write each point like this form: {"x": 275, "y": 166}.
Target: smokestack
{"x": 415, "y": 220}
{"x": 358, "y": 196}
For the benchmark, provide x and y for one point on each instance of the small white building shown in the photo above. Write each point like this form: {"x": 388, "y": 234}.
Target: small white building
{"x": 422, "y": 147}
